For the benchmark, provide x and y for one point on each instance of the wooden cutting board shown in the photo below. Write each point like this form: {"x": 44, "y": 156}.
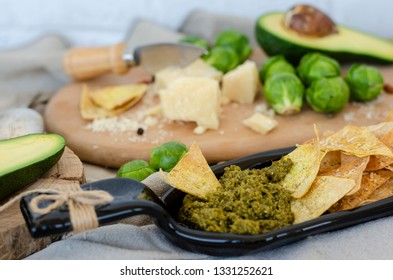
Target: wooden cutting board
{"x": 15, "y": 240}
{"x": 231, "y": 140}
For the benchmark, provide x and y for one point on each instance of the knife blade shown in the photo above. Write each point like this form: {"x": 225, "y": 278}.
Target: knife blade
{"x": 87, "y": 63}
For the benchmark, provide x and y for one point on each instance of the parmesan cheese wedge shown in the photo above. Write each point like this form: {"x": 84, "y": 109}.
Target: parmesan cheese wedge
{"x": 164, "y": 77}
{"x": 241, "y": 84}
{"x": 199, "y": 68}
{"x": 194, "y": 99}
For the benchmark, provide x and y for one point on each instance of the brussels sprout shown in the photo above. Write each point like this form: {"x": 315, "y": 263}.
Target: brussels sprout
{"x": 328, "y": 95}
{"x": 136, "y": 169}
{"x": 167, "y": 155}
{"x": 273, "y": 65}
{"x": 365, "y": 82}
{"x": 314, "y": 66}
{"x": 235, "y": 40}
{"x": 222, "y": 58}
{"x": 195, "y": 40}
{"x": 284, "y": 92}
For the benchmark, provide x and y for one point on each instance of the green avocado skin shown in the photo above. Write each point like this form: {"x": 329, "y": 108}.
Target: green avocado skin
{"x": 13, "y": 181}
{"x": 274, "y": 45}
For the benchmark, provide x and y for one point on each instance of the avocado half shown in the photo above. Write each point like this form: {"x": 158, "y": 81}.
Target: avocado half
{"x": 348, "y": 45}
{"x": 25, "y": 159}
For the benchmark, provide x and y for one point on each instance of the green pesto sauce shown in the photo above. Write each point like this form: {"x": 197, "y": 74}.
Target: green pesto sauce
{"x": 250, "y": 201}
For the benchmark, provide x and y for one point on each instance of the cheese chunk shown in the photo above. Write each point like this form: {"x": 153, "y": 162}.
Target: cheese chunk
{"x": 192, "y": 99}
{"x": 199, "y": 68}
{"x": 164, "y": 77}
{"x": 260, "y": 123}
{"x": 241, "y": 84}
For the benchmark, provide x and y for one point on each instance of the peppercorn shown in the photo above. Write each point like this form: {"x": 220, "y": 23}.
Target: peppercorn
{"x": 140, "y": 131}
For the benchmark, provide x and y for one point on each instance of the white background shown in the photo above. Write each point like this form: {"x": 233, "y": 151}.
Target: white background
{"x": 105, "y": 22}
{"x": 281, "y": 269}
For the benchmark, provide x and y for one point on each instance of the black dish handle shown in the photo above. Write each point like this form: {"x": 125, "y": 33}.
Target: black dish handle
{"x": 130, "y": 198}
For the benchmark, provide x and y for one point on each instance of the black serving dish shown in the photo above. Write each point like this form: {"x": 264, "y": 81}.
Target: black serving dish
{"x": 128, "y": 201}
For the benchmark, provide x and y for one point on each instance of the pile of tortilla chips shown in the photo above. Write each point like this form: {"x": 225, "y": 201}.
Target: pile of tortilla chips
{"x": 345, "y": 170}
{"x": 110, "y": 101}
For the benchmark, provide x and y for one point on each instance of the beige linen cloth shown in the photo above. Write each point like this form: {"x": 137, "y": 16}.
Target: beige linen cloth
{"x": 35, "y": 72}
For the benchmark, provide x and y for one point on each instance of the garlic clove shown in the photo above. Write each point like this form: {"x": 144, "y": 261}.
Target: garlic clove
{"x": 20, "y": 121}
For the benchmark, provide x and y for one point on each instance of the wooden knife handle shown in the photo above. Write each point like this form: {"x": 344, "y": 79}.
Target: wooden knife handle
{"x": 86, "y": 63}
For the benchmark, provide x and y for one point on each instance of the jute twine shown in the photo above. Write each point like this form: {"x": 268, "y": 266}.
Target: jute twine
{"x": 80, "y": 204}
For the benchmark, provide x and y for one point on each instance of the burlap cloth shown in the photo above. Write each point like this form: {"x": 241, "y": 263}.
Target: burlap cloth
{"x": 28, "y": 77}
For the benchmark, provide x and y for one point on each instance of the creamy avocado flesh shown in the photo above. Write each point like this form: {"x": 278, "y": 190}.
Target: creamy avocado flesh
{"x": 274, "y": 38}
{"x": 20, "y": 152}
{"x": 251, "y": 201}
{"x": 26, "y": 158}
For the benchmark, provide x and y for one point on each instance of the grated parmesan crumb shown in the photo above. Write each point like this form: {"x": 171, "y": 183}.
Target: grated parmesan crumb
{"x": 153, "y": 111}
{"x": 260, "y": 123}
{"x": 199, "y": 130}
{"x": 113, "y": 125}
{"x": 263, "y": 109}
{"x": 368, "y": 110}
{"x": 150, "y": 121}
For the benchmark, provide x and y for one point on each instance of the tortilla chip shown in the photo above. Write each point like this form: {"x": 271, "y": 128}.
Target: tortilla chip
{"x": 389, "y": 116}
{"x": 114, "y": 97}
{"x": 381, "y": 129}
{"x": 325, "y": 191}
{"x": 90, "y": 110}
{"x": 358, "y": 141}
{"x": 389, "y": 167}
{"x": 379, "y": 162}
{"x": 345, "y": 158}
{"x": 193, "y": 175}
{"x": 351, "y": 168}
{"x": 384, "y": 191}
{"x": 370, "y": 182}
{"x": 306, "y": 159}
{"x": 331, "y": 161}
{"x": 386, "y": 138}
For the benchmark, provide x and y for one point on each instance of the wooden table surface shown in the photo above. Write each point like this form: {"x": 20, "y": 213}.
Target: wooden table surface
{"x": 231, "y": 140}
{"x": 15, "y": 239}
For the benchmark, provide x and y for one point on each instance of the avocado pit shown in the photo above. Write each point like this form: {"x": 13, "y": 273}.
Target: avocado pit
{"x": 309, "y": 21}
